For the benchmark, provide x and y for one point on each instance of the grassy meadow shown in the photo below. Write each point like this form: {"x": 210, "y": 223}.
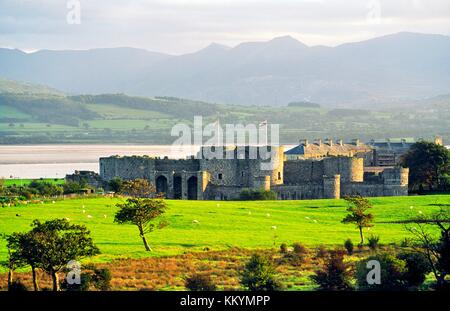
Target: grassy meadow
{"x": 23, "y": 182}
{"x": 198, "y": 225}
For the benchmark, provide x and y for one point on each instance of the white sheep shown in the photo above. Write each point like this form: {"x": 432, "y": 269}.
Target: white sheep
{"x": 89, "y": 216}
{"x": 195, "y": 221}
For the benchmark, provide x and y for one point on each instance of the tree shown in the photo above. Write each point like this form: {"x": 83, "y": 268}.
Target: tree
{"x": 428, "y": 163}
{"x": 138, "y": 188}
{"x": 116, "y": 184}
{"x": 24, "y": 249}
{"x": 435, "y": 249}
{"x": 59, "y": 242}
{"x": 141, "y": 212}
{"x": 359, "y": 216}
{"x": 2, "y": 185}
{"x": 335, "y": 275}
{"x": 259, "y": 275}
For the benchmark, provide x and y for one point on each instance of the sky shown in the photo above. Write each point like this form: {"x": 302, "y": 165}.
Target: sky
{"x": 184, "y": 26}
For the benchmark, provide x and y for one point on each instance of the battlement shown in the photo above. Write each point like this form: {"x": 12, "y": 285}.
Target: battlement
{"x": 213, "y": 177}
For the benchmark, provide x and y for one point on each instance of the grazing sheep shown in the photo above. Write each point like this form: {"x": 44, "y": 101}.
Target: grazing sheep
{"x": 274, "y": 227}
{"x": 195, "y": 221}
{"x": 18, "y": 215}
{"x": 89, "y": 216}
{"x": 268, "y": 215}
{"x": 53, "y": 202}
{"x": 84, "y": 212}
{"x": 104, "y": 216}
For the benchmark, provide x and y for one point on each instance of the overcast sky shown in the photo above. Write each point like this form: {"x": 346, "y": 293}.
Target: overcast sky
{"x": 182, "y": 26}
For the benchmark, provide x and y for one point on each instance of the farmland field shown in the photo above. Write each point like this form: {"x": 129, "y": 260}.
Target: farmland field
{"x": 196, "y": 225}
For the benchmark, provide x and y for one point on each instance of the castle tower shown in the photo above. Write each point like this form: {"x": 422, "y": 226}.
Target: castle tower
{"x": 332, "y": 187}
{"x": 262, "y": 182}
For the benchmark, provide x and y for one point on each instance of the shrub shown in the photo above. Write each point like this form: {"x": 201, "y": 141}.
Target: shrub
{"x": 373, "y": 242}
{"x": 259, "y": 275}
{"x": 299, "y": 248}
{"x": 199, "y": 282}
{"x": 257, "y": 195}
{"x": 322, "y": 252}
{"x": 71, "y": 187}
{"x": 91, "y": 278}
{"x": 283, "y": 248}
{"x": 116, "y": 184}
{"x": 348, "y": 244}
{"x": 392, "y": 273}
{"x": 335, "y": 275}
{"x": 417, "y": 267}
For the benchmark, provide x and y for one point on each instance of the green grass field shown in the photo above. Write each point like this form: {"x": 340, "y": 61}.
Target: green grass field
{"x": 223, "y": 224}
{"x": 23, "y": 182}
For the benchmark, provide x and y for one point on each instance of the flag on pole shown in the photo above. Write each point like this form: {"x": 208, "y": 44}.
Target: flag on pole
{"x": 263, "y": 132}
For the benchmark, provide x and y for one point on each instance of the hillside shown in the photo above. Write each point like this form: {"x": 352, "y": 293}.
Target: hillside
{"x": 376, "y": 73}
{"x": 118, "y": 118}
{"x": 10, "y": 86}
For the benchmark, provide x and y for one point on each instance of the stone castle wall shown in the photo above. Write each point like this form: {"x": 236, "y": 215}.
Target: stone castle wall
{"x": 224, "y": 179}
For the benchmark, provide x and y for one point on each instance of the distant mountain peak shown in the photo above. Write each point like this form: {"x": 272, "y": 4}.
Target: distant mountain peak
{"x": 287, "y": 41}
{"x": 215, "y": 47}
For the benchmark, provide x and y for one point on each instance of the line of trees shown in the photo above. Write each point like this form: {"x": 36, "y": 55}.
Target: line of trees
{"x": 49, "y": 246}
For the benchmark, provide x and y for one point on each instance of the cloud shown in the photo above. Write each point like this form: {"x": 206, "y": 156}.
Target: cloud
{"x": 180, "y": 26}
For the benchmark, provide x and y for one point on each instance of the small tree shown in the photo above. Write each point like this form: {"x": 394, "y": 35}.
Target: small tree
{"x": 435, "y": 249}
{"x": 348, "y": 244}
{"x": 59, "y": 242}
{"x": 138, "y": 188}
{"x": 335, "y": 275}
{"x": 141, "y": 212}
{"x": 24, "y": 249}
{"x": 116, "y": 184}
{"x": 373, "y": 242}
{"x": 259, "y": 275}
{"x": 359, "y": 216}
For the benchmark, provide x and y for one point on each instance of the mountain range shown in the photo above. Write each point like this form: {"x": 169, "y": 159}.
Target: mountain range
{"x": 374, "y": 73}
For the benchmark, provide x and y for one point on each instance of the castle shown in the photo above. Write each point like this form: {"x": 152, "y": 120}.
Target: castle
{"x": 224, "y": 176}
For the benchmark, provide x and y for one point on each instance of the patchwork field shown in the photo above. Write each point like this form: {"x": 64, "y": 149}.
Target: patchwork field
{"x": 196, "y": 225}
